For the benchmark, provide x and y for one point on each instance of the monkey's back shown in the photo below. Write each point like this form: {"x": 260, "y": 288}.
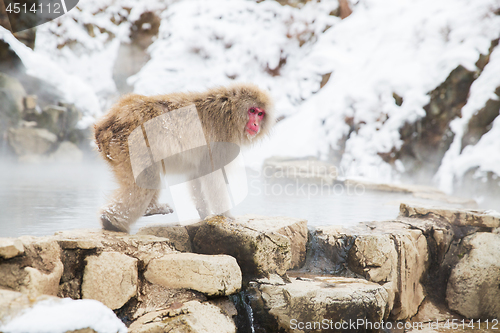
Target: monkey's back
{"x": 113, "y": 129}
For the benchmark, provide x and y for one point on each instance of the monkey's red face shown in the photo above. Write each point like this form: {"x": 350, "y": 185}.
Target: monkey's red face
{"x": 255, "y": 116}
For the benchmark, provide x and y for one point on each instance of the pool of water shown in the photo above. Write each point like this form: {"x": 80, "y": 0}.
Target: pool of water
{"x": 38, "y": 199}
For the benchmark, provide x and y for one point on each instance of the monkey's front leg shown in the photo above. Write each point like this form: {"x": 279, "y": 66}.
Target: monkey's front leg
{"x": 127, "y": 205}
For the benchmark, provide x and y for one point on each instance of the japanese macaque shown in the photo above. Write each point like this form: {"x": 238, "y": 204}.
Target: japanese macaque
{"x": 240, "y": 114}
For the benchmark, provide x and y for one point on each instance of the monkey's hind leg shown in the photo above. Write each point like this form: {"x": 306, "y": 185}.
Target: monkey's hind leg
{"x": 127, "y": 205}
{"x": 156, "y": 208}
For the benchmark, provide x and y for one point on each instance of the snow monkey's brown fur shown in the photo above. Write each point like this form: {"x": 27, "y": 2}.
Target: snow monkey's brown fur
{"x": 223, "y": 115}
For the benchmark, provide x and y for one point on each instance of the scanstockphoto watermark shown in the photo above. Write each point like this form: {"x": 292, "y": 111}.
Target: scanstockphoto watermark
{"x": 304, "y": 178}
{"x": 356, "y": 325}
{"x": 298, "y": 187}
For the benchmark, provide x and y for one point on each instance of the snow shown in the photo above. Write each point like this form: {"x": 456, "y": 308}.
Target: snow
{"x": 73, "y": 89}
{"x": 64, "y": 315}
{"x": 407, "y": 47}
{"x": 384, "y": 47}
{"x": 204, "y": 44}
{"x": 485, "y": 155}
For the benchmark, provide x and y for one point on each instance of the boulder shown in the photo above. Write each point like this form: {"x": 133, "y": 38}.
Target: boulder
{"x": 29, "y": 102}
{"x": 473, "y": 287}
{"x": 193, "y": 316}
{"x": 389, "y": 253}
{"x": 261, "y": 245}
{"x": 142, "y": 247}
{"x": 133, "y": 55}
{"x": 318, "y": 304}
{"x": 153, "y": 297}
{"x": 110, "y": 278}
{"x": 12, "y": 303}
{"x": 459, "y": 217}
{"x": 10, "y": 247}
{"x": 300, "y": 170}
{"x": 425, "y": 141}
{"x": 178, "y": 235}
{"x": 216, "y": 275}
{"x": 12, "y": 93}
{"x": 67, "y": 152}
{"x": 58, "y": 119}
{"x": 38, "y": 271}
{"x": 11, "y": 97}
{"x": 21, "y": 313}
{"x": 418, "y": 191}
{"x": 30, "y": 141}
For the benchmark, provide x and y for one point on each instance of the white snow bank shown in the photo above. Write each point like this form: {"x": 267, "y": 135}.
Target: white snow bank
{"x": 386, "y": 46}
{"x": 407, "y": 47}
{"x": 72, "y": 89}
{"x": 485, "y": 155}
{"x": 202, "y": 44}
{"x": 59, "y": 316}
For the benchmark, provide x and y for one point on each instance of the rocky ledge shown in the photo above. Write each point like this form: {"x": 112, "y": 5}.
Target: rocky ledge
{"x": 266, "y": 274}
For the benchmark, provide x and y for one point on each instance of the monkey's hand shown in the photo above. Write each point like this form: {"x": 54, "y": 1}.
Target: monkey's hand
{"x": 158, "y": 209}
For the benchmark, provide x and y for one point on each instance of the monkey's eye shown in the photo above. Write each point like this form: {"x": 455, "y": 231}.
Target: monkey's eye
{"x": 259, "y": 114}
{"x": 252, "y": 110}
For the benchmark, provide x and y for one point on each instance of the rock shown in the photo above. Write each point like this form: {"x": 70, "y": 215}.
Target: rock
{"x": 261, "y": 245}
{"x": 302, "y": 170}
{"x": 418, "y": 191}
{"x": 329, "y": 301}
{"x": 21, "y": 313}
{"x": 193, "y": 316}
{"x": 10, "y": 247}
{"x": 36, "y": 272}
{"x": 60, "y": 120}
{"x": 30, "y": 141}
{"x": 78, "y": 244}
{"x": 225, "y": 305}
{"x": 178, "y": 235}
{"x": 12, "y": 303}
{"x": 110, "y": 278}
{"x": 30, "y": 102}
{"x": 133, "y": 56}
{"x": 142, "y": 247}
{"x": 473, "y": 287}
{"x": 83, "y": 244}
{"x": 67, "y": 152}
{"x": 445, "y": 198}
{"x": 389, "y": 253}
{"x": 153, "y": 297}
{"x": 459, "y": 217}
{"x": 403, "y": 188}
{"x": 11, "y": 97}
{"x": 426, "y": 140}
{"x": 216, "y": 275}
{"x": 481, "y": 121}
{"x": 375, "y": 257}
{"x": 432, "y": 311}
{"x": 11, "y": 90}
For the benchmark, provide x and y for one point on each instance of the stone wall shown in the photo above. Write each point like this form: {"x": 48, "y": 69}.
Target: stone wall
{"x": 273, "y": 268}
